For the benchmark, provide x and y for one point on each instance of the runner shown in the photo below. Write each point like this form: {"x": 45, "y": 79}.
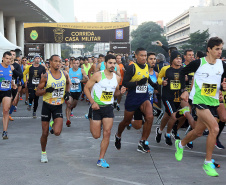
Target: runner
{"x": 100, "y": 90}
{"x": 77, "y": 76}
{"x": 35, "y": 71}
{"x": 171, "y": 97}
{"x": 54, "y": 86}
{"x": 5, "y": 89}
{"x": 135, "y": 79}
{"x": 209, "y": 72}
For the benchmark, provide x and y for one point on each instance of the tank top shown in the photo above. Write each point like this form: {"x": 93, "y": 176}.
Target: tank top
{"x": 5, "y": 78}
{"x": 86, "y": 69}
{"x": 76, "y": 77}
{"x": 57, "y": 96}
{"x": 103, "y": 91}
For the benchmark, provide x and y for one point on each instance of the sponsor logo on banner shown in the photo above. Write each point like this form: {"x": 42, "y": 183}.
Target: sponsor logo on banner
{"x": 34, "y": 34}
{"x": 58, "y": 34}
{"x": 119, "y": 33}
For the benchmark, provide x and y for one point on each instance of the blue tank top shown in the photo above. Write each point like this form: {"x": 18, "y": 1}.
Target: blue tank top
{"x": 76, "y": 77}
{"x": 102, "y": 67}
{"x": 150, "y": 88}
{"x": 5, "y": 78}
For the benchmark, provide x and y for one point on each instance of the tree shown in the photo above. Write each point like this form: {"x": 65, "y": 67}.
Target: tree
{"x": 146, "y": 33}
{"x": 65, "y": 51}
{"x": 197, "y": 42}
{"x": 89, "y": 46}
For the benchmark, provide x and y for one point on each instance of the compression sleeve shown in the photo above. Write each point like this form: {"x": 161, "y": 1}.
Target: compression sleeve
{"x": 192, "y": 67}
{"x": 130, "y": 71}
{"x": 162, "y": 74}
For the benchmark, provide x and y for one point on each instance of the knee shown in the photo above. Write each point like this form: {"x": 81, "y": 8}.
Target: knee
{"x": 57, "y": 132}
{"x": 223, "y": 118}
{"x": 45, "y": 134}
{"x": 149, "y": 118}
{"x": 96, "y": 135}
{"x": 107, "y": 133}
{"x": 214, "y": 130}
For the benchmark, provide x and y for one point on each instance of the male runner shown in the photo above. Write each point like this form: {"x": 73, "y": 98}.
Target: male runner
{"x": 171, "y": 96}
{"x": 54, "y": 86}
{"x": 135, "y": 79}
{"x": 35, "y": 71}
{"x": 77, "y": 76}
{"x": 101, "y": 89}
{"x": 5, "y": 89}
{"x": 209, "y": 73}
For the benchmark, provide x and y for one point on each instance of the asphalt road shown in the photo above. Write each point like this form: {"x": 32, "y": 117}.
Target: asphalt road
{"x": 73, "y": 155}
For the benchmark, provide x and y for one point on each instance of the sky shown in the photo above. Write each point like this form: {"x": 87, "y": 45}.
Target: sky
{"x": 146, "y": 10}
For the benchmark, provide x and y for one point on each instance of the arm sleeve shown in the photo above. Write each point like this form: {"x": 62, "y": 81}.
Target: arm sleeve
{"x": 165, "y": 48}
{"x": 18, "y": 72}
{"x": 162, "y": 74}
{"x": 192, "y": 67}
{"x": 130, "y": 71}
{"x": 25, "y": 73}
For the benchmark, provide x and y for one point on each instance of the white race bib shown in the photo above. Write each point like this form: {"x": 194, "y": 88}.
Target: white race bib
{"x": 58, "y": 93}
{"x": 35, "y": 81}
{"x": 74, "y": 86}
{"x": 5, "y": 84}
{"x": 141, "y": 88}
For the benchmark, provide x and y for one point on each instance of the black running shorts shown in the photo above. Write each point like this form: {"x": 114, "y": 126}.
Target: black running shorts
{"x": 75, "y": 95}
{"x": 49, "y": 110}
{"x": 4, "y": 94}
{"x": 213, "y": 109}
{"x": 103, "y": 112}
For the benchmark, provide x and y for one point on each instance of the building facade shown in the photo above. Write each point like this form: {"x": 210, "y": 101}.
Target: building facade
{"x": 13, "y": 13}
{"x": 211, "y": 17}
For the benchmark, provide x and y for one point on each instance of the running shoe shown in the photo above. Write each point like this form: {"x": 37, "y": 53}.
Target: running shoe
{"x": 117, "y": 142}
{"x": 219, "y": 145}
{"x": 26, "y": 103}
{"x": 15, "y": 109}
{"x": 51, "y": 127}
{"x": 168, "y": 140}
{"x": 71, "y": 114}
{"x": 215, "y": 164}
{"x": 87, "y": 100}
{"x": 182, "y": 112}
{"x": 102, "y": 163}
{"x": 21, "y": 98}
{"x": 189, "y": 145}
{"x": 205, "y": 132}
{"x": 29, "y": 107}
{"x": 179, "y": 151}
{"x": 10, "y": 118}
{"x": 209, "y": 168}
{"x": 44, "y": 158}
{"x": 34, "y": 115}
{"x": 4, "y": 135}
{"x": 117, "y": 108}
{"x": 68, "y": 123}
{"x": 158, "y": 136}
{"x": 143, "y": 147}
{"x": 86, "y": 116}
{"x": 129, "y": 126}
{"x": 175, "y": 135}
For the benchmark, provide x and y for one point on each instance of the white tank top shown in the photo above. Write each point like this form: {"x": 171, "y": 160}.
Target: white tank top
{"x": 103, "y": 91}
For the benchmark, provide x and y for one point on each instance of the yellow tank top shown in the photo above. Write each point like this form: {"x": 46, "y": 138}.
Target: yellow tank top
{"x": 140, "y": 73}
{"x": 57, "y": 96}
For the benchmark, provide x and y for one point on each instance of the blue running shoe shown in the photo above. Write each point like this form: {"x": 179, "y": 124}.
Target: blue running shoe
{"x": 102, "y": 163}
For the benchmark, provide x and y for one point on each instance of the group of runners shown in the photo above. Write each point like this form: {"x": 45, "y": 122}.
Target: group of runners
{"x": 192, "y": 91}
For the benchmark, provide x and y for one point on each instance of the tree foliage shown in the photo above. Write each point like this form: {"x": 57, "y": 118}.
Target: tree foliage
{"x": 88, "y": 47}
{"x": 145, "y": 34}
{"x": 197, "y": 42}
{"x": 65, "y": 51}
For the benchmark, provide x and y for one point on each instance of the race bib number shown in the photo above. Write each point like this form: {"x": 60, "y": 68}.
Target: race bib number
{"x": 175, "y": 84}
{"x": 5, "y": 84}
{"x": 74, "y": 86}
{"x": 209, "y": 89}
{"x": 106, "y": 96}
{"x": 58, "y": 93}
{"x": 35, "y": 81}
{"x": 141, "y": 89}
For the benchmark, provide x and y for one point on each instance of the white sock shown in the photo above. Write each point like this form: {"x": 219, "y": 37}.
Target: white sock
{"x": 180, "y": 145}
{"x": 206, "y": 162}
{"x": 159, "y": 131}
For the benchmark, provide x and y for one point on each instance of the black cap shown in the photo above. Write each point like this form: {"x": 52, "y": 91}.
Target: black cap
{"x": 174, "y": 55}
